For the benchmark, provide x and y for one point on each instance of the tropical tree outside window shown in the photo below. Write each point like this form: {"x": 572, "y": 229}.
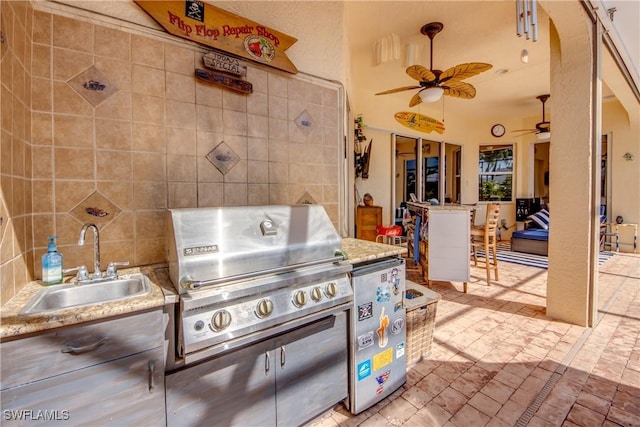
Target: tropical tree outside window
{"x": 496, "y": 173}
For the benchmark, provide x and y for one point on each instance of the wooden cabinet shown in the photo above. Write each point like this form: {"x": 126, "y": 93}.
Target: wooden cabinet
{"x": 106, "y": 373}
{"x": 367, "y": 218}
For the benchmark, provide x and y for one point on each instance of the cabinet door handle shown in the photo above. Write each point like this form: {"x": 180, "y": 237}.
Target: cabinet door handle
{"x": 267, "y": 363}
{"x": 76, "y": 349}
{"x": 152, "y": 382}
{"x": 283, "y": 356}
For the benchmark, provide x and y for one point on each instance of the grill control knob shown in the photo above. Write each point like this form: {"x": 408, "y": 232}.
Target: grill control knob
{"x": 316, "y": 294}
{"x": 264, "y": 308}
{"x": 300, "y": 299}
{"x": 220, "y": 320}
{"x": 331, "y": 290}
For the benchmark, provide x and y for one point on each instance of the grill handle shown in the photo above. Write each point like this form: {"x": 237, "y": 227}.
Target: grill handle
{"x": 283, "y": 356}
{"x": 188, "y": 282}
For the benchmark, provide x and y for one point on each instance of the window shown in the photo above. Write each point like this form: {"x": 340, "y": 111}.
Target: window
{"x": 431, "y": 178}
{"x": 495, "y": 181}
{"x": 410, "y": 179}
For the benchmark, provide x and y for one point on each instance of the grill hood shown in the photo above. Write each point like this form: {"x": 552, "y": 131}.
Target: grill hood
{"x": 207, "y": 246}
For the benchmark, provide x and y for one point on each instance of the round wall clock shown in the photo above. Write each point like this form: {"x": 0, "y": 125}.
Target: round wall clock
{"x": 497, "y": 130}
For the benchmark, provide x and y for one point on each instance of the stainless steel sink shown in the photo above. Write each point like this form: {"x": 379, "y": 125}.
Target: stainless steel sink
{"x": 65, "y": 296}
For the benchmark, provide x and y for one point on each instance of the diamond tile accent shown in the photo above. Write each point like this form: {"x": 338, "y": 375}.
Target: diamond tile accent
{"x": 305, "y": 122}
{"x": 306, "y": 199}
{"x": 223, "y": 157}
{"x": 96, "y": 209}
{"x": 93, "y": 86}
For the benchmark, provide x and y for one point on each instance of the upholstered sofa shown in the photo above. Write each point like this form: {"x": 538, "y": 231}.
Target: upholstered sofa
{"x": 534, "y": 239}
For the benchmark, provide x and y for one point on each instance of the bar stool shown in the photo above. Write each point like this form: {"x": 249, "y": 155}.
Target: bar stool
{"x": 390, "y": 234}
{"x": 485, "y": 238}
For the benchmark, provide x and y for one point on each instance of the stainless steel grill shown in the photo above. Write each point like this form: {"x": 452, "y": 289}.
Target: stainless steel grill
{"x": 246, "y": 273}
{"x": 264, "y": 300}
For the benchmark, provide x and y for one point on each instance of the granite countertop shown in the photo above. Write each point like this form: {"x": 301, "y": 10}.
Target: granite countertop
{"x": 448, "y": 207}
{"x": 359, "y": 251}
{"x": 12, "y": 324}
{"x": 163, "y": 292}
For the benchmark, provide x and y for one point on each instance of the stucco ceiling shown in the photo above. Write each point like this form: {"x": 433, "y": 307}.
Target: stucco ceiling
{"x": 474, "y": 31}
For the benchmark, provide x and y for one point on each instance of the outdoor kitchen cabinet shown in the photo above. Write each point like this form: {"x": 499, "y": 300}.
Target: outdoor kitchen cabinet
{"x": 284, "y": 381}
{"x": 444, "y": 241}
{"x": 105, "y": 373}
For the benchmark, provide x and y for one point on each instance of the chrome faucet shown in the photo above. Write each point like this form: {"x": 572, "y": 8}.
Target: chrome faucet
{"x": 96, "y": 247}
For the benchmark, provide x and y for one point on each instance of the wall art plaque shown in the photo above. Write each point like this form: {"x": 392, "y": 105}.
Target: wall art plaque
{"x": 211, "y": 26}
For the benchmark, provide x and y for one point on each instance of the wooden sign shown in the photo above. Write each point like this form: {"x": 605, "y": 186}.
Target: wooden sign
{"x": 419, "y": 122}
{"x": 219, "y": 62}
{"x": 211, "y": 26}
{"x": 224, "y": 81}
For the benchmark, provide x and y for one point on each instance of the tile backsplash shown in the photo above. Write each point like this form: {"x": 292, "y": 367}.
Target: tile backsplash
{"x": 107, "y": 126}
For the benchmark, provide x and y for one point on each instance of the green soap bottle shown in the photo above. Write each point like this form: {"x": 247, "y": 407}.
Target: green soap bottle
{"x": 52, "y": 264}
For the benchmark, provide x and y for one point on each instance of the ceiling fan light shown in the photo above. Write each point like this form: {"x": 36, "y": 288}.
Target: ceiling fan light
{"x": 544, "y": 135}
{"x": 431, "y": 94}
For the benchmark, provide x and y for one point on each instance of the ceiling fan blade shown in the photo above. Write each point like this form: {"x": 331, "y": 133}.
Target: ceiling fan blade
{"x": 464, "y": 71}
{"x": 459, "y": 89}
{"x": 525, "y": 131}
{"x": 398, "y": 89}
{"x": 420, "y": 73}
{"x": 415, "y": 99}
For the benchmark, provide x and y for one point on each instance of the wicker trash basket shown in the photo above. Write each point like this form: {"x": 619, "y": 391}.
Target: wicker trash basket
{"x": 421, "y": 304}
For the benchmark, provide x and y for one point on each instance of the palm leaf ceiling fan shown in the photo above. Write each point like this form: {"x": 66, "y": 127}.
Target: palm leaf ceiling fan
{"x": 543, "y": 128}
{"x": 434, "y": 83}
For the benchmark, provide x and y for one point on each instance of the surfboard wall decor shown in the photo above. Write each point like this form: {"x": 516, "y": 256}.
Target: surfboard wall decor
{"x": 419, "y": 122}
{"x": 211, "y": 26}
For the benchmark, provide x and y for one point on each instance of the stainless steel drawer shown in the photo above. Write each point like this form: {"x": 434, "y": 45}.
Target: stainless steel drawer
{"x": 68, "y": 349}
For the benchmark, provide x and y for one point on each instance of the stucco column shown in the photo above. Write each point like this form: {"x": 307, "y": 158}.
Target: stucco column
{"x": 570, "y": 184}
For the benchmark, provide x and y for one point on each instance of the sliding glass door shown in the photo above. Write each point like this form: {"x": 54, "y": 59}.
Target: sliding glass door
{"x": 425, "y": 170}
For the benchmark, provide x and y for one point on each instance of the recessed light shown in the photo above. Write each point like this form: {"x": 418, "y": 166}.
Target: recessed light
{"x": 502, "y": 71}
